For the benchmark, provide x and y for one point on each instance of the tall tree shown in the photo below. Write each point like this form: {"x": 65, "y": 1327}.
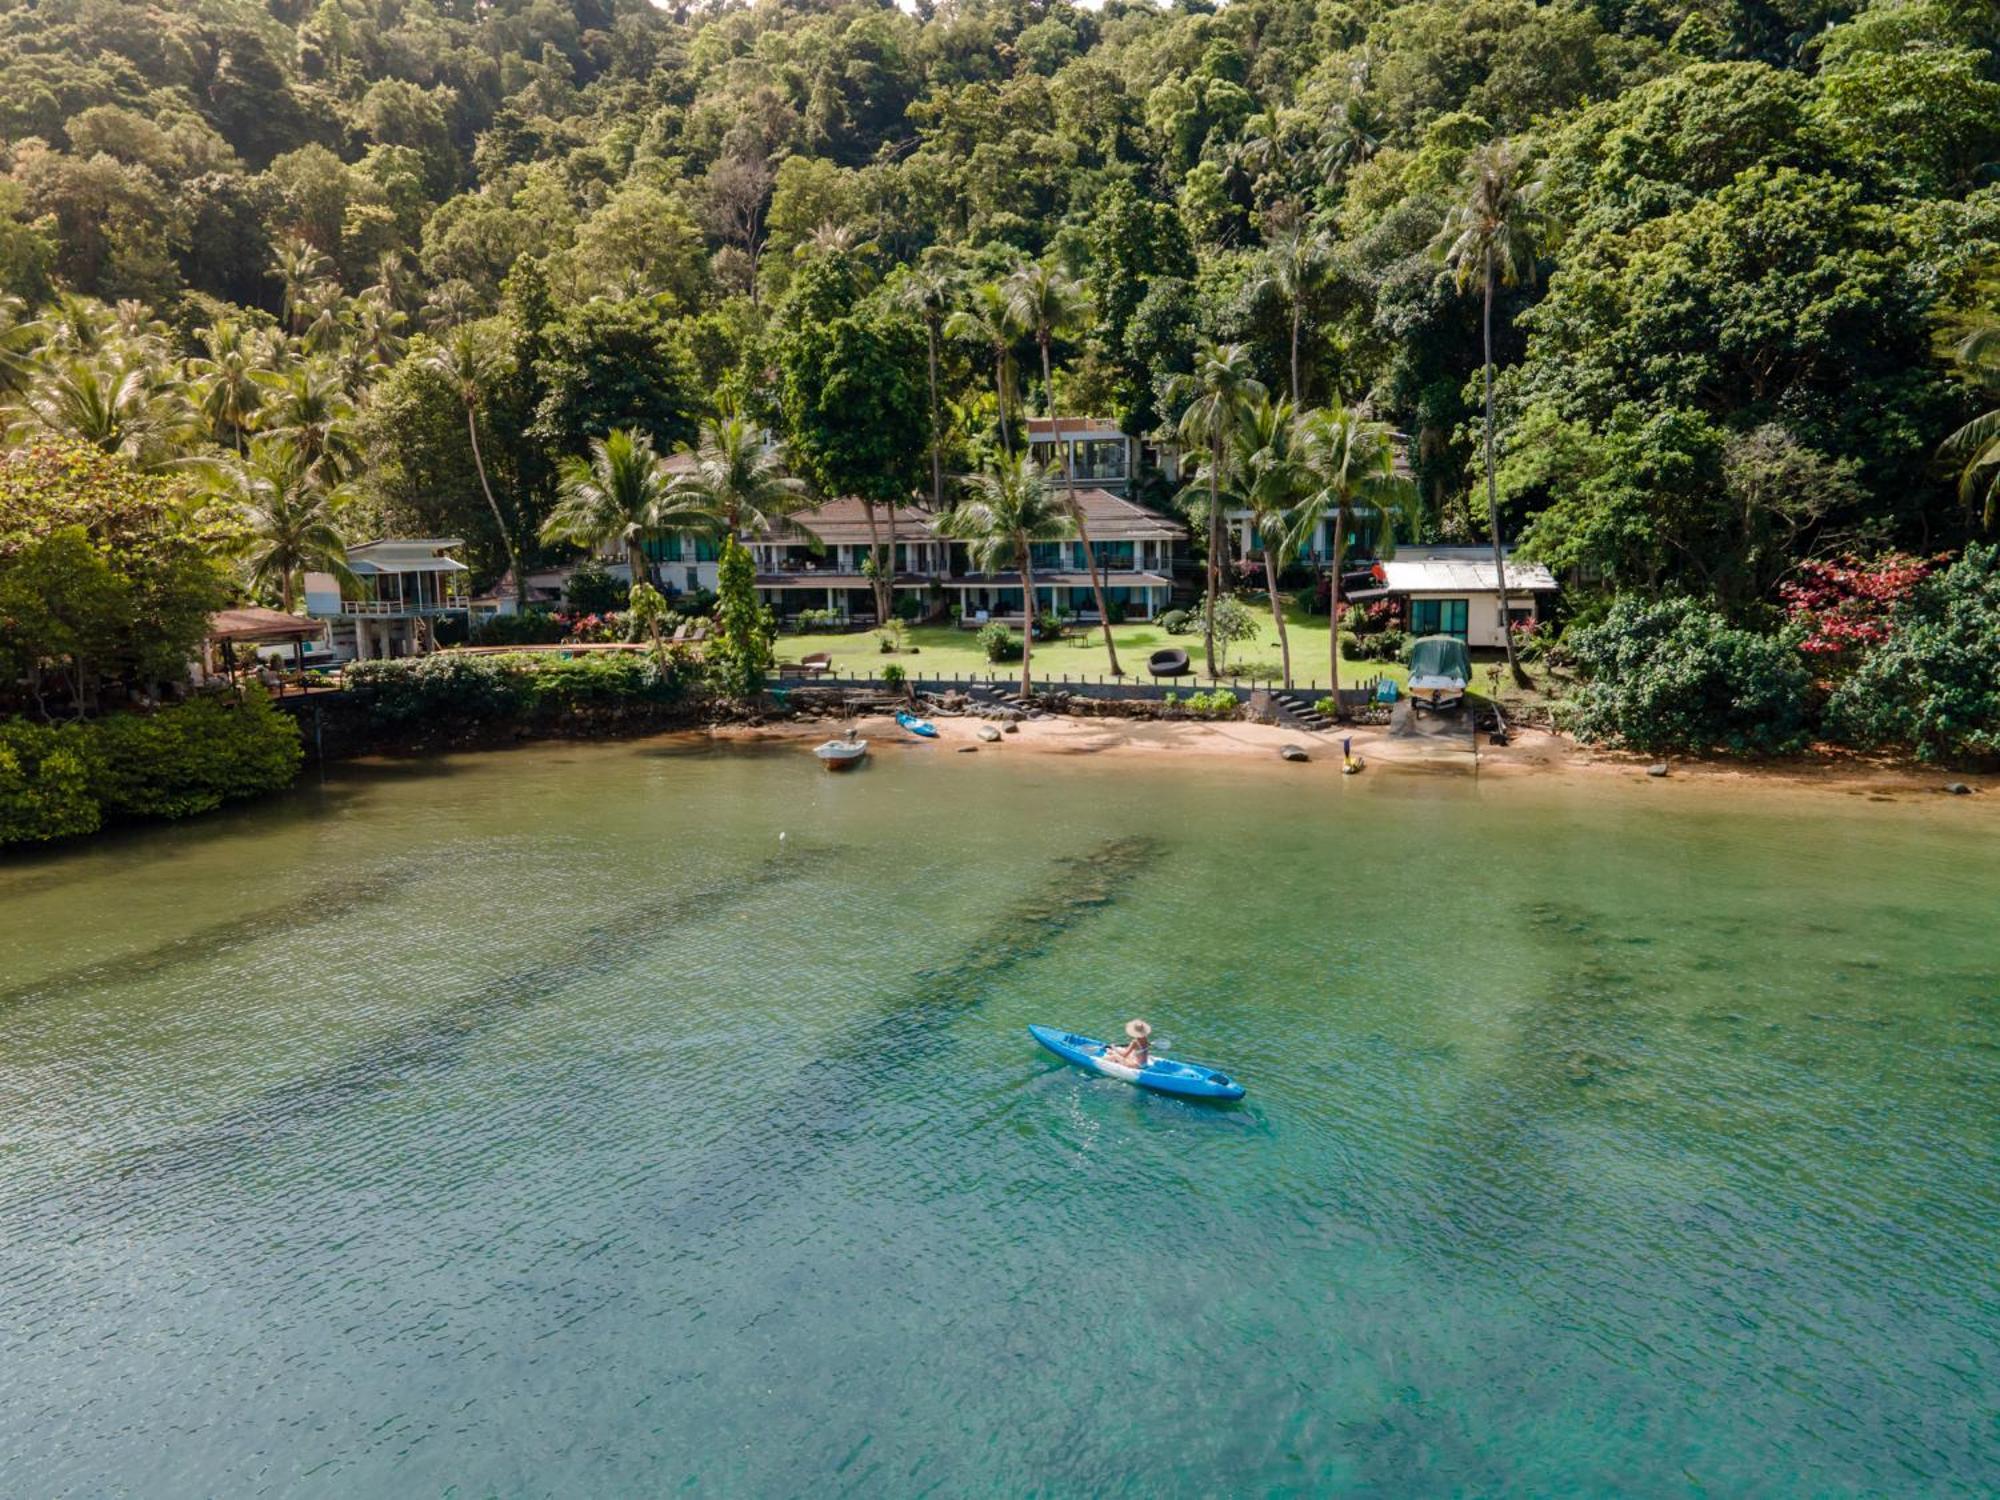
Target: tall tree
{"x": 739, "y": 477}
{"x": 1352, "y": 464}
{"x": 290, "y": 516}
{"x": 227, "y": 393}
{"x": 1975, "y": 447}
{"x": 1276, "y": 485}
{"x": 623, "y": 494}
{"x": 309, "y": 408}
{"x": 119, "y": 407}
{"x": 1489, "y": 236}
{"x": 463, "y": 359}
{"x": 1213, "y": 401}
{"x": 927, "y": 290}
{"x": 855, "y": 419}
{"x": 1005, "y": 511}
{"x": 1293, "y": 266}
{"x": 989, "y": 320}
{"x": 1047, "y": 304}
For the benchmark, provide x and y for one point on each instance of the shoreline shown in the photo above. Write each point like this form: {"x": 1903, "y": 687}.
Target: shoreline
{"x": 1537, "y": 752}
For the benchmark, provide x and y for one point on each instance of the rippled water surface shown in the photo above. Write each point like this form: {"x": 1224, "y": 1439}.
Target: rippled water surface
{"x": 545, "y": 1123}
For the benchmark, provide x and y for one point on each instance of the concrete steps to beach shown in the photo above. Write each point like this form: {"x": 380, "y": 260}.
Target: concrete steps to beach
{"x": 1300, "y": 713}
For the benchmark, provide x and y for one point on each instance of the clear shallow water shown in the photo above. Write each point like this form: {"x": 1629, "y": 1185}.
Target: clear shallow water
{"x": 540, "y": 1123}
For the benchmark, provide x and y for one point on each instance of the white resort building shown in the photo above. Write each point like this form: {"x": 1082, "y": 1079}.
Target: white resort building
{"x": 821, "y": 565}
{"x": 401, "y": 586}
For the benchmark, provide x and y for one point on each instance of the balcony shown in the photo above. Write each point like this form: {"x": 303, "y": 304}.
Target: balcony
{"x": 377, "y": 609}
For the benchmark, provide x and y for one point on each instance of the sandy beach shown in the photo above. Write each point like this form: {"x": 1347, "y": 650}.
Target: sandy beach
{"x": 1531, "y": 752}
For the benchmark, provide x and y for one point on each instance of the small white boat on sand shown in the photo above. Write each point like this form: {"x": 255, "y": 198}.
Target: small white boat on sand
{"x": 839, "y": 755}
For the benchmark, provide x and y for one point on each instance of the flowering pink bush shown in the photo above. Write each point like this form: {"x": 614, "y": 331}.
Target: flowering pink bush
{"x": 1845, "y": 603}
{"x": 591, "y": 629}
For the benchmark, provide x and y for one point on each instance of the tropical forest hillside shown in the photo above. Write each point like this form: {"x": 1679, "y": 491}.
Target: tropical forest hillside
{"x": 1740, "y": 255}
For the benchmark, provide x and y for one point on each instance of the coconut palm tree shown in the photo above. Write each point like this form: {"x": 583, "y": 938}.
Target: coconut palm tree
{"x": 1006, "y": 510}
{"x": 20, "y": 338}
{"x": 227, "y": 392}
{"x": 310, "y": 408}
{"x": 1047, "y": 303}
{"x": 122, "y": 408}
{"x": 1351, "y": 137}
{"x": 1214, "y": 400}
{"x": 1489, "y": 236}
{"x": 1293, "y": 265}
{"x": 927, "y": 290}
{"x": 1976, "y": 445}
{"x": 300, "y": 267}
{"x": 989, "y": 321}
{"x": 738, "y": 477}
{"x": 622, "y": 493}
{"x": 463, "y": 361}
{"x": 290, "y": 514}
{"x": 1351, "y": 466}
{"x": 1277, "y": 488}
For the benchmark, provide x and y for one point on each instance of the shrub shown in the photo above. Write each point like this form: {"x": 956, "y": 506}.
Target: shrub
{"x": 696, "y": 604}
{"x": 1220, "y": 704}
{"x": 908, "y": 608}
{"x": 1176, "y": 621}
{"x": 186, "y": 759}
{"x": 893, "y": 675}
{"x": 195, "y": 756}
{"x": 1933, "y": 685}
{"x": 998, "y": 642}
{"x": 817, "y": 619}
{"x": 1048, "y": 627}
{"x": 1391, "y": 645}
{"x": 1674, "y": 675}
{"x": 1258, "y": 671}
{"x": 592, "y": 591}
{"x": 1354, "y": 618}
{"x": 44, "y": 785}
{"x": 1351, "y": 648}
{"x": 1114, "y": 611}
{"x": 535, "y": 628}
{"x": 550, "y": 688}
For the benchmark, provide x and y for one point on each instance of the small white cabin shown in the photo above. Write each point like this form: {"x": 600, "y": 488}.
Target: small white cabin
{"x": 1455, "y": 591}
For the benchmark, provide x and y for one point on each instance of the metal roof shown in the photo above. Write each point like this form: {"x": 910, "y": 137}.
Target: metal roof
{"x": 1465, "y": 570}
{"x": 405, "y": 555}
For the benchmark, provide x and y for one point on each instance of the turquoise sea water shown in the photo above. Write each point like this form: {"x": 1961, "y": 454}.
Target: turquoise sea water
{"x": 543, "y": 1123}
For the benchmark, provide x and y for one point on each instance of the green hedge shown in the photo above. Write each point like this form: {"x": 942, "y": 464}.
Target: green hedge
{"x": 413, "y": 691}
{"x": 66, "y": 779}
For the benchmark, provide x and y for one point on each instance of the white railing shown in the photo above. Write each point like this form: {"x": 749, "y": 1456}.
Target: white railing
{"x": 394, "y": 607}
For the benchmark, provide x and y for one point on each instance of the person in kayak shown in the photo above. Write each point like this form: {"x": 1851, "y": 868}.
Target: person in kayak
{"x": 1135, "y": 1053}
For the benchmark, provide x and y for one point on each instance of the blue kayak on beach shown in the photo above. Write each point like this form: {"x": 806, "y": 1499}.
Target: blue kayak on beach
{"x": 916, "y": 725}
{"x": 1163, "y": 1074}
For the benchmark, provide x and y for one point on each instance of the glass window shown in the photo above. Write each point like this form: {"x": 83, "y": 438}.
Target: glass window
{"x": 1439, "y": 617}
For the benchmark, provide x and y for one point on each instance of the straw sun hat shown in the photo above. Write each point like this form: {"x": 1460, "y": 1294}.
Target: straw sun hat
{"x": 1138, "y": 1030}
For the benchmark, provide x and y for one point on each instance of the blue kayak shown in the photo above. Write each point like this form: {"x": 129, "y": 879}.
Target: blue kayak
{"x": 916, "y": 725}
{"x": 1162, "y": 1074}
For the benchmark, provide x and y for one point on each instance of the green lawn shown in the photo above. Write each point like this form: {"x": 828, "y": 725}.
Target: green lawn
{"x": 945, "y": 650}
